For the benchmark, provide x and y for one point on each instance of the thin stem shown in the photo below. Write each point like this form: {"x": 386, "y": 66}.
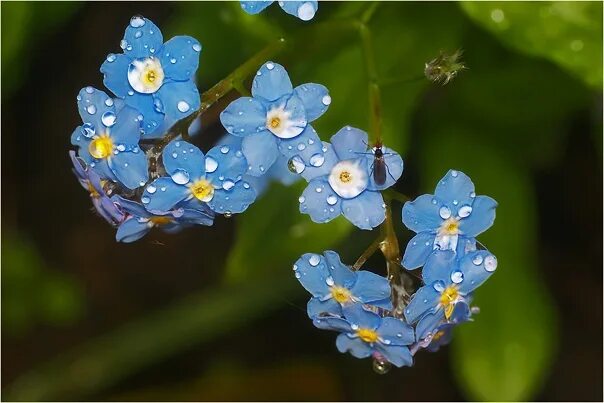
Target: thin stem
{"x": 375, "y": 104}
{"x": 368, "y": 13}
{"x": 392, "y": 194}
{"x": 367, "y": 254}
{"x": 400, "y": 80}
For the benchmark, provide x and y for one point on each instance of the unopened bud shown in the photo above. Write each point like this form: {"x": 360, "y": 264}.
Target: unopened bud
{"x": 445, "y": 67}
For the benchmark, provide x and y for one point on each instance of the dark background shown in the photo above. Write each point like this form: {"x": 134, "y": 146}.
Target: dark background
{"x": 86, "y": 318}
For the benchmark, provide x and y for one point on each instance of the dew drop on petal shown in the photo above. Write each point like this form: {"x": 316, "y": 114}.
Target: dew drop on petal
{"x": 151, "y": 189}
{"x": 121, "y": 147}
{"x": 145, "y": 199}
{"x": 174, "y": 155}
{"x": 301, "y": 199}
{"x": 270, "y": 66}
{"x": 88, "y": 130}
{"x": 464, "y": 211}
{"x": 228, "y": 185}
{"x": 331, "y": 200}
{"x": 477, "y": 260}
{"x": 490, "y": 263}
{"x": 329, "y": 281}
{"x": 457, "y": 277}
{"x": 180, "y": 177}
{"x": 123, "y": 44}
{"x": 224, "y": 149}
{"x": 326, "y": 100}
{"x": 306, "y": 11}
{"x": 211, "y": 165}
{"x": 296, "y": 165}
{"x": 111, "y": 57}
{"x": 108, "y": 119}
{"x": 197, "y": 47}
{"x": 317, "y": 160}
{"x": 314, "y": 260}
{"x": 91, "y": 109}
{"x": 319, "y": 189}
{"x": 138, "y": 34}
{"x": 183, "y": 106}
{"x": 137, "y": 21}
{"x": 444, "y": 212}
{"x": 454, "y": 173}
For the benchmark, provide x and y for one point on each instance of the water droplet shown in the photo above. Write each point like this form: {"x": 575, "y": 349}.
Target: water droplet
{"x": 472, "y": 195}
{"x": 297, "y": 274}
{"x": 211, "y": 164}
{"x": 490, "y": 263}
{"x": 314, "y": 260}
{"x": 464, "y": 211}
{"x": 301, "y": 199}
{"x": 88, "y": 130}
{"x": 228, "y": 214}
{"x": 197, "y": 47}
{"x": 130, "y": 92}
{"x": 270, "y": 66}
{"x": 174, "y": 155}
{"x": 296, "y": 165}
{"x": 108, "y": 119}
{"x": 444, "y": 212}
{"x": 224, "y": 149}
{"x": 477, "y": 260}
{"x": 331, "y": 200}
{"x": 111, "y": 57}
{"x": 138, "y": 34}
{"x": 123, "y": 44}
{"x": 317, "y": 160}
{"x": 326, "y": 100}
{"x": 180, "y": 177}
{"x": 306, "y": 11}
{"x": 151, "y": 189}
{"x": 109, "y": 102}
{"x": 381, "y": 367}
{"x": 137, "y": 21}
{"x": 183, "y": 106}
{"x": 301, "y": 146}
{"x": 434, "y": 201}
{"x": 454, "y": 173}
{"x": 318, "y": 189}
{"x": 89, "y": 90}
{"x": 145, "y": 199}
{"x": 121, "y": 147}
{"x": 228, "y": 185}
{"x": 329, "y": 281}
{"x": 163, "y": 189}
{"x": 457, "y": 277}
{"x": 91, "y": 109}
{"x": 246, "y": 185}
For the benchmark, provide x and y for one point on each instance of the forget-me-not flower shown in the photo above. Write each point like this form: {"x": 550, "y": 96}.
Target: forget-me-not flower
{"x": 140, "y": 221}
{"x": 448, "y": 282}
{"x": 365, "y": 333}
{"x": 304, "y": 10}
{"x": 108, "y": 139}
{"x": 433, "y": 339}
{"x": 215, "y": 179}
{"x": 454, "y": 212}
{"x": 333, "y": 285}
{"x": 275, "y": 120}
{"x": 91, "y": 181}
{"x": 344, "y": 182}
{"x": 152, "y": 76}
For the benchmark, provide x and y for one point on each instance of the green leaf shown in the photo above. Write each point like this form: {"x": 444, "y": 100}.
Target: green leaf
{"x": 567, "y": 33}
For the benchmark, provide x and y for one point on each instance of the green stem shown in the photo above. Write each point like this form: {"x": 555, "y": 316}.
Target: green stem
{"x": 400, "y": 80}
{"x": 375, "y": 104}
{"x": 367, "y": 254}
{"x": 391, "y": 194}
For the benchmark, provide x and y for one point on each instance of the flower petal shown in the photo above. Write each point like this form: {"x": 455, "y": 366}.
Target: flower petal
{"x": 418, "y": 249}
{"x": 476, "y": 267}
{"x": 260, "y": 151}
{"x": 306, "y": 145}
{"x": 349, "y": 143}
{"x": 315, "y": 98}
{"x": 439, "y": 266}
{"x": 142, "y": 38}
{"x": 320, "y": 202}
{"x": 370, "y": 287}
{"x": 93, "y": 104}
{"x": 396, "y": 331}
{"x": 225, "y": 162}
{"x": 397, "y": 355}
{"x": 132, "y": 230}
{"x": 424, "y": 300}
{"x": 244, "y": 116}
{"x": 421, "y": 214}
{"x": 127, "y": 127}
{"x": 428, "y": 324}
{"x": 329, "y": 160}
{"x": 355, "y": 314}
{"x": 179, "y": 99}
{"x": 332, "y": 323}
{"x": 130, "y": 168}
{"x": 234, "y": 200}
{"x": 341, "y": 273}
{"x": 481, "y": 217}
{"x": 271, "y": 82}
{"x": 152, "y": 117}
{"x": 255, "y": 6}
{"x": 131, "y": 207}
{"x": 198, "y": 214}
{"x": 366, "y": 211}
{"x": 115, "y": 74}
{"x": 311, "y": 271}
{"x": 356, "y": 347}
{"x": 455, "y": 189}
{"x": 180, "y": 58}
{"x": 317, "y": 307}
{"x": 182, "y": 157}
{"x": 164, "y": 195}
{"x": 304, "y": 10}
{"x": 393, "y": 165}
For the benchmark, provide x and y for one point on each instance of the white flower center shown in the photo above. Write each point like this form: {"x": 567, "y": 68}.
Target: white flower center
{"x": 279, "y": 122}
{"x": 146, "y": 75}
{"x": 348, "y": 179}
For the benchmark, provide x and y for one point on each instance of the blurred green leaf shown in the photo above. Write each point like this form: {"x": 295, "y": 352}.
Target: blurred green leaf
{"x": 568, "y": 33}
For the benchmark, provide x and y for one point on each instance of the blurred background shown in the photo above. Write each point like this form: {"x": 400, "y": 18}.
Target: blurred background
{"x": 216, "y": 313}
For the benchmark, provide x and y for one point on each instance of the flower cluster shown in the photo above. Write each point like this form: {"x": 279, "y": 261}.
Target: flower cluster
{"x": 304, "y": 10}
{"x": 358, "y": 303}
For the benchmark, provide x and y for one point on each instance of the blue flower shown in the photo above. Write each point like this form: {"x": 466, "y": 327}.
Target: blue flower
{"x": 304, "y": 10}
{"x": 215, "y": 179}
{"x": 108, "y": 139}
{"x": 333, "y": 284}
{"x": 140, "y": 221}
{"x": 448, "y": 282}
{"x": 94, "y": 185}
{"x": 440, "y": 221}
{"x": 152, "y": 76}
{"x": 433, "y": 340}
{"x": 275, "y": 120}
{"x": 343, "y": 182}
{"x": 364, "y": 334}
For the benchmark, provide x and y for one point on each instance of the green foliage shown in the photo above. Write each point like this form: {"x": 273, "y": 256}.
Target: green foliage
{"x": 568, "y": 33}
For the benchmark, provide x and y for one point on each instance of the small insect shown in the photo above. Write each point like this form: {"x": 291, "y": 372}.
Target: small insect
{"x": 379, "y": 166}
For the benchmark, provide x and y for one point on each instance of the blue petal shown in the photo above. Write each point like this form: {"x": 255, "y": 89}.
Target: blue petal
{"x": 131, "y": 207}
{"x": 180, "y": 58}
{"x": 320, "y": 202}
{"x": 179, "y": 156}
{"x": 93, "y": 105}
{"x": 366, "y": 211}
{"x": 429, "y": 323}
{"x": 159, "y": 131}
{"x": 329, "y": 160}
{"x": 357, "y": 347}
{"x": 179, "y": 98}
{"x": 424, "y": 300}
{"x": 385, "y": 303}
{"x": 315, "y": 98}
{"x": 349, "y": 143}
{"x": 254, "y": 7}
{"x": 331, "y": 323}
{"x": 418, "y": 249}
{"x": 115, "y": 74}
{"x": 199, "y": 215}
{"x": 127, "y": 127}
{"x": 152, "y": 117}
{"x": 481, "y": 218}
{"x": 130, "y": 168}
{"x": 281, "y": 173}
{"x": 261, "y": 152}
{"x": 311, "y": 271}
{"x": 101, "y": 167}
{"x": 78, "y": 166}
{"x": 304, "y": 10}
{"x": 108, "y": 210}
{"x": 306, "y": 145}
{"x": 445, "y": 338}
{"x": 341, "y": 273}
{"x": 164, "y": 195}
{"x": 370, "y": 287}
{"x": 461, "y": 312}
{"x": 294, "y": 108}
{"x": 393, "y": 165}
{"x": 225, "y": 163}
{"x": 439, "y": 266}
{"x": 355, "y": 314}
{"x": 235, "y": 200}
{"x": 455, "y": 189}
{"x": 142, "y": 38}
{"x": 131, "y": 230}
{"x": 317, "y": 307}
{"x": 396, "y": 331}
{"x": 421, "y": 214}
{"x": 476, "y": 267}
{"x": 397, "y": 355}
{"x": 244, "y": 116}
{"x": 271, "y": 82}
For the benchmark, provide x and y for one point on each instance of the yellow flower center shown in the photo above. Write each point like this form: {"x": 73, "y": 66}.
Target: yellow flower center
{"x": 160, "y": 220}
{"x": 101, "y": 147}
{"x": 367, "y": 335}
{"x": 449, "y": 227}
{"x": 150, "y": 76}
{"x": 275, "y": 122}
{"x": 93, "y": 193}
{"x": 448, "y": 298}
{"x": 345, "y": 176}
{"x": 202, "y": 190}
{"x": 340, "y": 294}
